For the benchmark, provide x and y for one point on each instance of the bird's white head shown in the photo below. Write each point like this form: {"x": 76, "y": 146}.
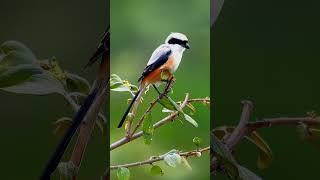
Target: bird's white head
{"x": 178, "y": 39}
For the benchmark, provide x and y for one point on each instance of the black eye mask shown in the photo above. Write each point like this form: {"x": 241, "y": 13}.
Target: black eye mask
{"x": 177, "y": 41}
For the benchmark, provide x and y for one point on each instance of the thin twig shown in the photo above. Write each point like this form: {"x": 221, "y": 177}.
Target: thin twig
{"x": 152, "y": 104}
{"x": 160, "y": 123}
{"x": 160, "y": 158}
{"x": 269, "y": 122}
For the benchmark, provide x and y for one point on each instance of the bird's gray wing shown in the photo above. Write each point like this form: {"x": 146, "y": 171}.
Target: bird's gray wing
{"x": 159, "y": 57}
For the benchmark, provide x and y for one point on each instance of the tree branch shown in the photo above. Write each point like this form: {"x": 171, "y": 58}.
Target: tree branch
{"x": 88, "y": 123}
{"x": 159, "y": 158}
{"x": 284, "y": 121}
{"x": 245, "y": 127}
{"x": 160, "y": 123}
{"x": 241, "y": 129}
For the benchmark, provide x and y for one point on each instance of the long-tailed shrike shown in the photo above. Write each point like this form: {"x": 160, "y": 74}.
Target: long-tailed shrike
{"x": 164, "y": 61}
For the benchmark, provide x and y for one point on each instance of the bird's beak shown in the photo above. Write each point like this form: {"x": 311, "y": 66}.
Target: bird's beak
{"x": 187, "y": 46}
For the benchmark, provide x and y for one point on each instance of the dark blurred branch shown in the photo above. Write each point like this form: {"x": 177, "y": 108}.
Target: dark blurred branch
{"x": 241, "y": 130}
{"x": 284, "y": 121}
{"x": 216, "y": 6}
{"x": 76, "y": 107}
{"x": 245, "y": 127}
{"x": 87, "y": 126}
{"x": 160, "y": 158}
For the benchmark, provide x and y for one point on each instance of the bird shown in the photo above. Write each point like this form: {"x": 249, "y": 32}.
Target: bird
{"x": 163, "y": 62}
{"x": 103, "y": 52}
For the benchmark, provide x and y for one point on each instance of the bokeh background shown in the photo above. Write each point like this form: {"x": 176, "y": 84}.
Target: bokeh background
{"x": 137, "y": 29}
{"x": 268, "y": 52}
{"x": 69, "y": 30}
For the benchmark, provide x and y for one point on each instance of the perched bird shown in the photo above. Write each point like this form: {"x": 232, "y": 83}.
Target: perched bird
{"x": 163, "y": 62}
{"x": 103, "y": 72}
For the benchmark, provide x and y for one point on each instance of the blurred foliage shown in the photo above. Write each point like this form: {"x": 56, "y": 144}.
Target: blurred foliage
{"x": 137, "y": 29}
{"x": 260, "y": 54}
{"x": 22, "y": 73}
{"x": 69, "y": 31}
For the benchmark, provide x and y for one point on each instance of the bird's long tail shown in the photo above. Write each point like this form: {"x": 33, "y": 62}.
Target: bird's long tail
{"x": 135, "y": 102}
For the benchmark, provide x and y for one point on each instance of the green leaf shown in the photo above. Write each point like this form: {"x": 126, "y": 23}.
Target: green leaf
{"x": 123, "y": 173}
{"x": 147, "y": 129}
{"x": 224, "y": 157}
{"x": 11, "y": 45}
{"x": 197, "y": 141}
{"x": 76, "y": 83}
{"x": 62, "y": 125}
{"x": 190, "y": 120}
{"x": 156, "y": 170}
{"x": 165, "y": 74}
{"x": 115, "y": 81}
{"x": 17, "y": 64}
{"x": 38, "y": 84}
{"x": 119, "y": 85}
{"x": 185, "y": 163}
{"x": 169, "y": 104}
{"x": 172, "y": 159}
{"x": 265, "y": 154}
{"x": 18, "y": 74}
{"x": 116, "y": 84}
{"x": 165, "y": 110}
{"x": 15, "y": 53}
{"x": 166, "y": 103}
{"x": 246, "y": 174}
{"x": 21, "y": 73}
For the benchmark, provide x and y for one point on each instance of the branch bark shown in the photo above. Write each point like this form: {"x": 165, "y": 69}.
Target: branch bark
{"x": 159, "y": 158}
{"x": 87, "y": 126}
{"x": 241, "y": 129}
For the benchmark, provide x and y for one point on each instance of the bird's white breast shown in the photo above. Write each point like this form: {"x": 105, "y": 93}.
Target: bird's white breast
{"x": 177, "y": 53}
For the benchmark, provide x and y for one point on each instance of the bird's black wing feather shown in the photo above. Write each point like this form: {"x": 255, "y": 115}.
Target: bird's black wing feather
{"x": 103, "y": 47}
{"x": 159, "y": 62}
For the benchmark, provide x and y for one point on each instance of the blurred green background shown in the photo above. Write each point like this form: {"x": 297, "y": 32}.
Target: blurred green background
{"x": 268, "y": 52}
{"x": 137, "y": 29}
{"x": 71, "y": 31}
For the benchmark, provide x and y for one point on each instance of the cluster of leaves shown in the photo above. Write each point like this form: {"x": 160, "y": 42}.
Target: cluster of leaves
{"x": 228, "y": 162}
{"x": 172, "y": 158}
{"x": 21, "y": 72}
